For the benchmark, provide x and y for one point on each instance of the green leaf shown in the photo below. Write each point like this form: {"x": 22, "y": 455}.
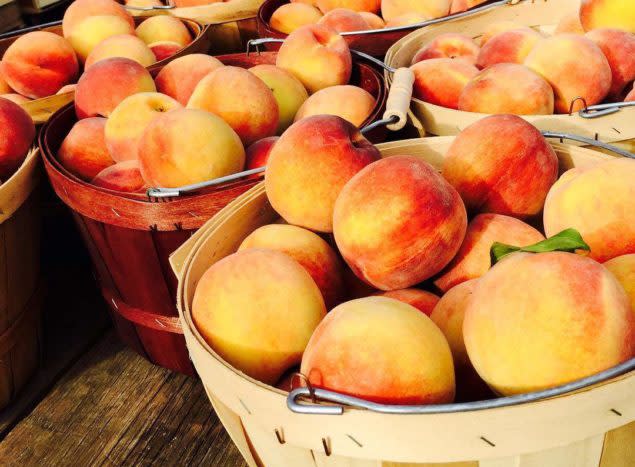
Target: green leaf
{"x": 568, "y": 240}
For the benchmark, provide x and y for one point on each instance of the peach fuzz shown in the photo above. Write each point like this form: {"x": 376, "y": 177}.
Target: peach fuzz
{"x": 420, "y": 299}
{"x": 569, "y": 24}
{"x": 398, "y": 222}
{"x": 88, "y": 34}
{"x": 17, "y": 98}
{"x": 496, "y": 28}
{"x": 309, "y": 165}
{"x": 372, "y": 6}
{"x": 164, "y": 49}
{"x": 501, "y": 164}
{"x": 568, "y": 300}
{"x": 596, "y": 14}
{"x": 449, "y": 45}
{"x": 178, "y": 78}
{"x": 440, "y": 81}
{"x": 473, "y": 259}
{"x": 290, "y": 16}
{"x": 164, "y": 28}
{"x": 391, "y": 9}
{"x": 125, "y": 45}
{"x": 507, "y": 88}
{"x": 317, "y": 56}
{"x": 508, "y": 47}
{"x": 343, "y": 20}
{"x": 4, "y": 86}
{"x": 372, "y": 20}
{"x": 79, "y": 10}
{"x": 406, "y": 20}
{"x": 309, "y": 250}
{"x": 623, "y": 268}
{"x": 241, "y": 99}
{"x": 38, "y": 64}
{"x": 415, "y": 365}
{"x": 619, "y": 49}
{"x": 17, "y": 133}
{"x": 83, "y": 151}
{"x": 130, "y": 118}
{"x": 105, "y": 84}
{"x": 598, "y": 202}
{"x": 274, "y": 328}
{"x": 582, "y": 70}
{"x": 459, "y": 6}
{"x": 288, "y": 91}
{"x": 123, "y": 176}
{"x": 352, "y": 103}
{"x": 257, "y": 154}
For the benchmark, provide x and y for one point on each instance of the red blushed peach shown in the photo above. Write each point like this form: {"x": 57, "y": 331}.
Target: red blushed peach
{"x": 495, "y": 28}
{"x": 4, "y": 86}
{"x": 38, "y": 64}
{"x": 308, "y": 249}
{"x": 420, "y": 299}
{"x": 415, "y": 365}
{"x": 17, "y": 132}
{"x": 343, "y": 20}
{"x": 92, "y": 31}
{"x": 164, "y": 28}
{"x": 178, "y": 78}
{"x": 164, "y": 49}
{"x": 290, "y": 16}
{"x": 581, "y": 73}
{"x": 507, "y": 88}
{"x": 501, "y": 164}
{"x": 310, "y": 164}
{"x": 241, "y": 99}
{"x": 449, "y": 45}
{"x": 123, "y": 176}
{"x": 257, "y": 154}
{"x": 372, "y": 20}
{"x": 571, "y": 320}
{"x": 274, "y": 328}
{"x": 623, "y": 268}
{"x": 440, "y": 81}
{"x": 598, "y": 202}
{"x": 188, "y": 146}
{"x": 429, "y": 8}
{"x": 406, "y": 20}
{"x": 473, "y": 259}
{"x": 125, "y": 45}
{"x": 459, "y": 6}
{"x": 17, "y": 98}
{"x": 83, "y": 152}
{"x": 619, "y": 49}
{"x": 398, "y": 222}
{"x": 105, "y": 84}
{"x": 352, "y": 103}
{"x": 508, "y": 47}
{"x": 318, "y": 56}
{"x": 596, "y": 14}
{"x": 569, "y": 24}
{"x": 79, "y": 10}
{"x": 371, "y": 6}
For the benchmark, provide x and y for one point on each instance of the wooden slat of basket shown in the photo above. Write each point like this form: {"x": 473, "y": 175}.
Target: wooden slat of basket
{"x": 214, "y": 13}
{"x": 619, "y": 448}
{"x": 41, "y": 109}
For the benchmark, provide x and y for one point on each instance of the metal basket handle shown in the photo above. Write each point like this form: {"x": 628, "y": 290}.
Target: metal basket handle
{"x": 589, "y": 141}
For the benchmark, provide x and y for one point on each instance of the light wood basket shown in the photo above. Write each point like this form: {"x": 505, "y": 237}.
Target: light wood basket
{"x": 593, "y": 427}
{"x": 542, "y": 15}
{"x": 20, "y": 285}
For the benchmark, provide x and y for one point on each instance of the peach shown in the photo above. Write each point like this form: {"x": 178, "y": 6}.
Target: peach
{"x": 371, "y": 6}
{"x": 597, "y": 201}
{"x": 473, "y": 259}
{"x": 257, "y": 154}
{"x": 406, "y": 20}
{"x": 569, "y": 24}
{"x": 508, "y": 47}
{"x": 440, "y": 81}
{"x": 507, "y": 88}
{"x": 309, "y": 165}
{"x": 317, "y": 56}
{"x": 630, "y": 96}
{"x": 372, "y": 20}
{"x": 290, "y": 16}
{"x": 352, "y": 103}
{"x": 188, "y": 146}
{"x": 309, "y": 250}
{"x": 178, "y": 78}
{"x": 122, "y": 176}
{"x": 429, "y": 8}
{"x": 143, "y": 3}
{"x": 496, "y": 28}
{"x": 125, "y": 45}
{"x": 38, "y": 64}
{"x": 105, "y": 84}
{"x": 4, "y": 86}
{"x": 288, "y": 91}
{"x": 343, "y": 20}
{"x": 164, "y": 49}
{"x": 572, "y": 320}
{"x": 79, "y": 10}
{"x": 83, "y": 151}
{"x": 449, "y": 45}
{"x": 596, "y": 14}
{"x": 623, "y": 268}
{"x": 459, "y": 6}
{"x": 415, "y": 366}
{"x": 66, "y": 89}
{"x": 130, "y": 118}
{"x": 17, "y": 133}
{"x": 274, "y": 328}
{"x": 164, "y": 28}
{"x": 90, "y": 32}
{"x": 580, "y": 74}
{"x": 501, "y": 164}
{"x": 420, "y": 299}
{"x": 17, "y": 98}
{"x": 397, "y": 222}
{"x": 619, "y": 49}
{"x": 241, "y": 99}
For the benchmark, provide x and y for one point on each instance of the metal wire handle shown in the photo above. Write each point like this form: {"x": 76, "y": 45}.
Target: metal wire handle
{"x": 590, "y": 142}
{"x": 600, "y": 110}
{"x": 18, "y": 32}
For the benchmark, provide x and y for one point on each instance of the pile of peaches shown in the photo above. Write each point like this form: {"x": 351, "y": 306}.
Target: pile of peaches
{"x": 377, "y": 281}
{"x": 41, "y": 63}
{"x": 589, "y": 59}
{"x": 193, "y": 122}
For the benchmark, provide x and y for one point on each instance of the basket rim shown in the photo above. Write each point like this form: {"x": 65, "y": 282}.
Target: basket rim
{"x": 17, "y": 188}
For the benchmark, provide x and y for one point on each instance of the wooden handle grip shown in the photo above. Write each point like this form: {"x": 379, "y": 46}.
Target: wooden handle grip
{"x": 399, "y": 96}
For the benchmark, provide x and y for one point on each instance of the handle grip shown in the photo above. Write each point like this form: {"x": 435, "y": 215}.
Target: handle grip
{"x": 398, "y": 103}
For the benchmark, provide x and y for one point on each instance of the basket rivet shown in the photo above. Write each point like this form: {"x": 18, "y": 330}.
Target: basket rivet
{"x": 326, "y": 443}
{"x": 355, "y": 441}
{"x": 280, "y": 435}
{"x": 616, "y": 412}
{"x": 245, "y": 406}
{"x": 488, "y": 441}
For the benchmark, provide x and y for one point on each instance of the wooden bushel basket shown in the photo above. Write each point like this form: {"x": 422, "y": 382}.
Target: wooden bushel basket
{"x": 20, "y": 286}
{"x": 591, "y": 427}
{"x": 542, "y": 15}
